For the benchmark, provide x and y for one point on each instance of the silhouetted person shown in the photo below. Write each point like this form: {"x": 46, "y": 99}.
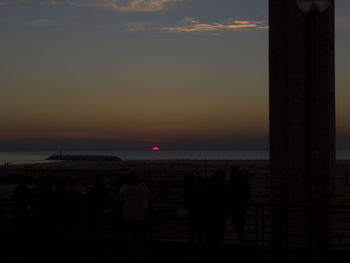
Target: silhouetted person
{"x": 239, "y": 193}
{"x": 96, "y": 200}
{"x": 195, "y": 204}
{"x": 43, "y": 204}
{"x": 189, "y": 186}
{"x": 21, "y": 199}
{"x": 216, "y": 211}
{"x": 134, "y": 196}
{"x": 201, "y": 191}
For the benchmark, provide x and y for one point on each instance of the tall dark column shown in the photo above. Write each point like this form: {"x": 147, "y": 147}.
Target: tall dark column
{"x": 302, "y": 121}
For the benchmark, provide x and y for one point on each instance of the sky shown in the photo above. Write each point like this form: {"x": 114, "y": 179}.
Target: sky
{"x": 131, "y": 74}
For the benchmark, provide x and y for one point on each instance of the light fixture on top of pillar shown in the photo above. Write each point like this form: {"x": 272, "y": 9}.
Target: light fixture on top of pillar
{"x": 313, "y": 6}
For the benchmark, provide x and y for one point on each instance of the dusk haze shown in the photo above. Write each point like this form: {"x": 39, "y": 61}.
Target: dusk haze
{"x": 184, "y": 75}
{"x": 168, "y": 131}
{"x": 143, "y": 72}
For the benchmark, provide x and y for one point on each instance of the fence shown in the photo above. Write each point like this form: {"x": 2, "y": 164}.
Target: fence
{"x": 170, "y": 224}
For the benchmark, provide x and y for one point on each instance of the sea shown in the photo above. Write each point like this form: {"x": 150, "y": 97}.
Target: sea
{"x": 40, "y": 157}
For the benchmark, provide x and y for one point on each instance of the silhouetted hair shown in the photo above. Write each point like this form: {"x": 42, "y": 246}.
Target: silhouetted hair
{"x": 133, "y": 178}
{"x": 122, "y": 181}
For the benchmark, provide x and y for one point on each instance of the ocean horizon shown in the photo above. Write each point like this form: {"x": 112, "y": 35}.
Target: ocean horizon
{"x": 40, "y": 157}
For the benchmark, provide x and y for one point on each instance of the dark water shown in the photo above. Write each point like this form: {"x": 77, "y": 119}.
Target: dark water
{"x": 39, "y": 157}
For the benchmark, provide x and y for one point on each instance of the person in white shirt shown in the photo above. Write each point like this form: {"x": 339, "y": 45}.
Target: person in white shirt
{"x": 134, "y": 197}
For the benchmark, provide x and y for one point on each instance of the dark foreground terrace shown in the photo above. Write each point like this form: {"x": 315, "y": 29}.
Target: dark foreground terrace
{"x": 168, "y": 242}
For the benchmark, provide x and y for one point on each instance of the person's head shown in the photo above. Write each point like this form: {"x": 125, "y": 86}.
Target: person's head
{"x": 133, "y": 178}
{"x": 122, "y": 181}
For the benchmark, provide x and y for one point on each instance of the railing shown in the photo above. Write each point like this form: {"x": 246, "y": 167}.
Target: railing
{"x": 170, "y": 224}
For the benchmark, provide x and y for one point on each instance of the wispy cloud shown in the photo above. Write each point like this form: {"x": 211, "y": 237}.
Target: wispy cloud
{"x": 131, "y": 26}
{"x": 42, "y": 22}
{"x": 115, "y": 5}
{"x": 127, "y": 5}
{"x": 8, "y": 2}
{"x": 193, "y": 25}
{"x": 31, "y": 22}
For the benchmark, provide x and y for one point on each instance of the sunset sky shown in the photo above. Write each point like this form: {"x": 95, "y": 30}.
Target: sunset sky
{"x": 130, "y": 74}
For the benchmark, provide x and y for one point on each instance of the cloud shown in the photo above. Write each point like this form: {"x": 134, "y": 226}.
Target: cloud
{"x": 131, "y": 26}
{"x": 126, "y": 5}
{"x": 54, "y": 2}
{"x": 193, "y": 25}
{"x": 42, "y": 22}
{"x": 31, "y": 22}
{"x": 115, "y": 5}
{"x": 8, "y": 2}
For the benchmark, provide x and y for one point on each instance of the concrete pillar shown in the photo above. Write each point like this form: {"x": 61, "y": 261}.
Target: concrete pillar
{"x": 299, "y": 177}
